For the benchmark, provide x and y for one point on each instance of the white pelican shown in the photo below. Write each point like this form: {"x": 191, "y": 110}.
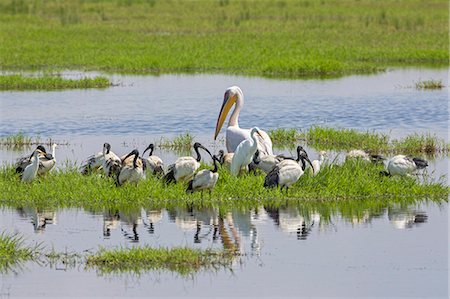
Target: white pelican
{"x": 204, "y": 179}
{"x": 132, "y": 169}
{"x": 30, "y": 172}
{"x": 316, "y": 164}
{"x": 98, "y": 161}
{"x": 245, "y": 151}
{"x": 184, "y": 167}
{"x": 47, "y": 162}
{"x": 153, "y": 163}
{"x": 404, "y": 165}
{"x": 287, "y": 172}
{"x": 235, "y": 135}
{"x": 23, "y": 162}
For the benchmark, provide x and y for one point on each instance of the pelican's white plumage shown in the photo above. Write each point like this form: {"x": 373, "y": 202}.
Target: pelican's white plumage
{"x": 234, "y": 134}
{"x": 184, "y": 167}
{"x": 404, "y": 165}
{"x": 204, "y": 179}
{"x": 153, "y": 163}
{"x": 316, "y": 164}
{"x": 31, "y": 170}
{"x": 244, "y": 153}
{"x": 132, "y": 170}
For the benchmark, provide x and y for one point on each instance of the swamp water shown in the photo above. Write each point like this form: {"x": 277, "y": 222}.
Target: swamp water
{"x": 393, "y": 250}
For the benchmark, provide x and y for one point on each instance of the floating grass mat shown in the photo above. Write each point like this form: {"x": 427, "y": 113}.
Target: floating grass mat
{"x": 326, "y": 138}
{"x": 298, "y": 39}
{"x": 180, "y": 143}
{"x": 14, "y": 252}
{"x": 182, "y": 260}
{"x": 19, "y": 82}
{"x": 429, "y": 84}
{"x": 353, "y": 180}
{"x": 20, "y": 140}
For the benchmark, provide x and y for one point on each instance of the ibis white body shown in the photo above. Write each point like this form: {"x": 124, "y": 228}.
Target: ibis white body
{"x": 132, "y": 170}
{"x": 47, "y": 163}
{"x": 401, "y": 165}
{"x": 184, "y": 168}
{"x": 204, "y": 180}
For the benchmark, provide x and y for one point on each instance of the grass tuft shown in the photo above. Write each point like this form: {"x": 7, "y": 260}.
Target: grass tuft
{"x": 13, "y": 251}
{"x": 140, "y": 259}
{"x": 182, "y": 142}
{"x": 429, "y": 84}
{"x": 19, "y": 82}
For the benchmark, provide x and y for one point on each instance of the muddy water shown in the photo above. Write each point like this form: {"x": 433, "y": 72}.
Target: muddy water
{"x": 393, "y": 252}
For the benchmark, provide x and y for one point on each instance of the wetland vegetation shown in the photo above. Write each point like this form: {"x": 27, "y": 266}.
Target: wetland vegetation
{"x": 46, "y": 82}
{"x": 284, "y": 38}
{"x": 14, "y": 251}
{"x": 327, "y": 138}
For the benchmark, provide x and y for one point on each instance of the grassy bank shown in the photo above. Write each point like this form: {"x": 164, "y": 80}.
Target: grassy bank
{"x": 19, "y": 82}
{"x": 13, "y": 252}
{"x": 283, "y": 38}
{"x": 141, "y": 259}
{"x": 327, "y": 138}
{"x": 351, "y": 180}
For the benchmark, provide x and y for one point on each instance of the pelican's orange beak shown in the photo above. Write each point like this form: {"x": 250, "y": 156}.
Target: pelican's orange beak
{"x": 228, "y": 102}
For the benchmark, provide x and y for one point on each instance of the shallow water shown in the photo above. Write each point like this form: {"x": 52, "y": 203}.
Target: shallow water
{"x": 393, "y": 252}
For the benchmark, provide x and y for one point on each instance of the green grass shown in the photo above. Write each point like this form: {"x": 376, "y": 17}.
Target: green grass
{"x": 351, "y": 180}
{"x": 141, "y": 259}
{"x": 182, "y": 142}
{"x": 16, "y": 140}
{"x": 13, "y": 252}
{"x": 429, "y": 84}
{"x": 284, "y": 38}
{"x": 19, "y": 82}
{"x": 327, "y": 138}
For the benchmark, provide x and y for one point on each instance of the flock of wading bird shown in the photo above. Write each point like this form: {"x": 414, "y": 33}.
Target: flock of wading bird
{"x": 247, "y": 150}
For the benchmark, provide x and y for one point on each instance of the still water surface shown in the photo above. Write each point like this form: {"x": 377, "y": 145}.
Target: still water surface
{"x": 398, "y": 251}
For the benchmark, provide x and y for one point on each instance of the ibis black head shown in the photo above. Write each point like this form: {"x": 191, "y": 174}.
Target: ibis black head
{"x": 41, "y": 148}
{"x": 197, "y": 145}
{"x": 107, "y": 146}
{"x": 150, "y": 147}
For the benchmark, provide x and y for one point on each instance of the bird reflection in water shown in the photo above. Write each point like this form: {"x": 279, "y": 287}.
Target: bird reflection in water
{"x": 39, "y": 218}
{"x": 111, "y": 220}
{"x": 129, "y": 224}
{"x": 402, "y": 218}
{"x": 290, "y": 221}
{"x": 153, "y": 217}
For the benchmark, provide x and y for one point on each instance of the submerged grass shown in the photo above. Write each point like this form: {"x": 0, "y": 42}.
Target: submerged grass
{"x": 19, "y": 82}
{"x": 351, "y": 180}
{"x": 18, "y": 140}
{"x": 429, "y": 84}
{"x": 182, "y": 142}
{"x": 285, "y": 38}
{"x": 326, "y": 138}
{"x": 13, "y": 251}
{"x": 140, "y": 259}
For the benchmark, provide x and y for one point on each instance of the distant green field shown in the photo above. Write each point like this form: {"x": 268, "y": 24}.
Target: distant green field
{"x": 280, "y": 38}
